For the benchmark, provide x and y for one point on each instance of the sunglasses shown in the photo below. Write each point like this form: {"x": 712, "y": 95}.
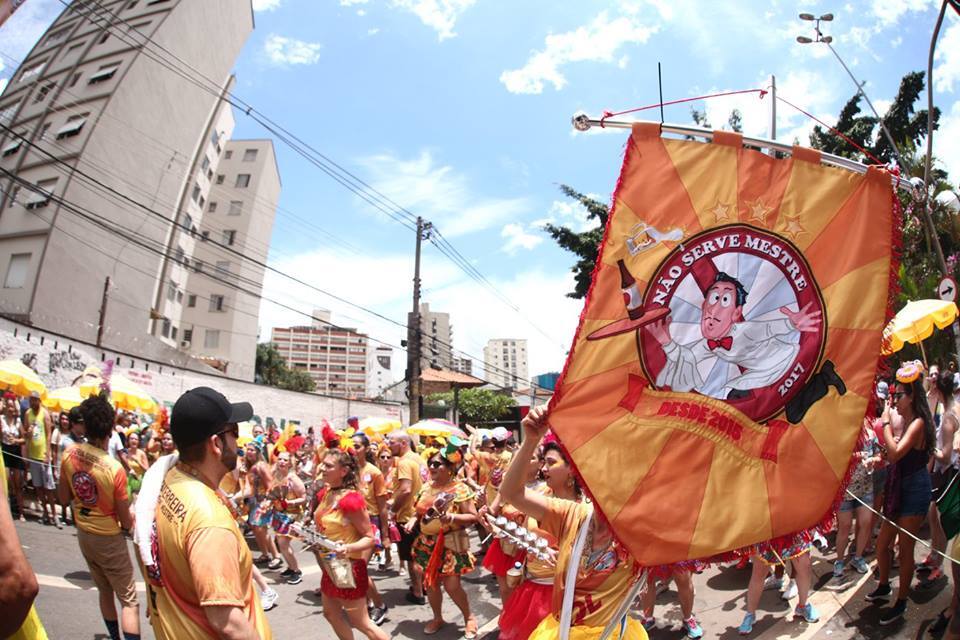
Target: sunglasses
{"x": 235, "y": 431}
{"x": 386, "y": 457}
{"x": 434, "y": 464}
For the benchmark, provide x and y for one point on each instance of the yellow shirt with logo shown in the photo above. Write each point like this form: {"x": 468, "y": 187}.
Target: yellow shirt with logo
{"x": 202, "y": 560}
{"x": 37, "y": 437}
{"x": 98, "y": 483}
{"x": 372, "y": 487}
{"x": 410, "y": 467}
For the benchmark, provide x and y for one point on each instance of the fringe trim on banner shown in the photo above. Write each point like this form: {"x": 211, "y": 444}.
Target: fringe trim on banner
{"x": 783, "y": 542}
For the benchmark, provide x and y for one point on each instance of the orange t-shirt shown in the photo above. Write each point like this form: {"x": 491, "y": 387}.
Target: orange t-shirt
{"x": 492, "y": 468}
{"x": 410, "y": 467}
{"x": 331, "y": 520}
{"x": 202, "y": 560}
{"x": 603, "y": 584}
{"x": 541, "y": 569}
{"x": 373, "y": 486}
{"x": 429, "y": 494}
{"x": 97, "y": 482}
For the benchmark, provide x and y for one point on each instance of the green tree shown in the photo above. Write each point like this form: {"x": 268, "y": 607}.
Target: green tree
{"x": 583, "y": 244}
{"x": 477, "y": 405}
{"x": 272, "y": 370}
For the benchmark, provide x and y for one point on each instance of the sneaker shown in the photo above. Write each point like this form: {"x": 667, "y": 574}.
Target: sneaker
{"x": 773, "y": 582}
{"x": 791, "y": 591}
{"x": 807, "y": 612}
{"x": 746, "y": 627}
{"x": 894, "y": 613}
{"x": 648, "y": 622}
{"x": 378, "y": 614}
{"x": 838, "y": 569}
{"x": 274, "y": 564}
{"x": 412, "y": 599}
{"x": 930, "y": 580}
{"x": 286, "y": 573}
{"x": 295, "y": 578}
{"x": 262, "y": 560}
{"x": 269, "y": 599}
{"x": 693, "y": 628}
{"x": 57, "y": 522}
{"x": 882, "y": 592}
{"x": 820, "y": 542}
{"x": 860, "y": 565}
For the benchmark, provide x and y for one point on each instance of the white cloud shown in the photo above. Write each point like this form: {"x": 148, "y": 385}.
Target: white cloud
{"x": 373, "y": 32}
{"x": 22, "y": 29}
{"x": 945, "y": 148}
{"x": 570, "y": 213}
{"x": 889, "y": 12}
{"x": 439, "y": 15}
{"x": 947, "y": 58}
{"x": 598, "y": 41}
{"x": 518, "y": 238}
{"x": 382, "y": 283}
{"x": 439, "y": 193}
{"x": 266, "y": 5}
{"x": 285, "y": 51}
{"x": 361, "y": 12}
{"x": 3, "y": 83}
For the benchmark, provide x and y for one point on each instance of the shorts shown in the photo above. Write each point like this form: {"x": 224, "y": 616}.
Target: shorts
{"x": 281, "y": 523}
{"x": 879, "y": 481}
{"x": 915, "y": 494}
{"x": 110, "y": 567}
{"x": 405, "y": 545}
{"x": 11, "y": 457}
{"x": 41, "y": 475}
{"x": 360, "y": 578}
{"x": 260, "y": 517}
{"x": 851, "y": 505}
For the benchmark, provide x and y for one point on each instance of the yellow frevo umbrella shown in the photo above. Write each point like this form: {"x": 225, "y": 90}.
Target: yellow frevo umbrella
{"x": 124, "y": 394}
{"x": 64, "y": 399}
{"x": 380, "y": 426}
{"x": 21, "y": 379}
{"x": 915, "y": 322}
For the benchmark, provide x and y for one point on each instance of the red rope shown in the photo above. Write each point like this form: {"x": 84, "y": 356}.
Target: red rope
{"x": 610, "y": 114}
{"x": 833, "y": 131}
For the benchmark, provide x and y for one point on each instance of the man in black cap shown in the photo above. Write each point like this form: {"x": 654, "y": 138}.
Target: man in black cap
{"x": 200, "y": 584}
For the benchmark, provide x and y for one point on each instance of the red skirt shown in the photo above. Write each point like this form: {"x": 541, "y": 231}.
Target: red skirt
{"x": 528, "y": 605}
{"x": 497, "y": 562}
{"x": 360, "y": 578}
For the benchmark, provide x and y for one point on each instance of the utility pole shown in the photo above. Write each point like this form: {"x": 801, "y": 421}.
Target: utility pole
{"x": 103, "y": 311}
{"x": 414, "y": 335}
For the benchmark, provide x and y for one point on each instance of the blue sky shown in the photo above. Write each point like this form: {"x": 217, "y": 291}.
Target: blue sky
{"x": 459, "y": 110}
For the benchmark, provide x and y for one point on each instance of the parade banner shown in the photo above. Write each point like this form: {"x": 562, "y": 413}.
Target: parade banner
{"x": 727, "y": 350}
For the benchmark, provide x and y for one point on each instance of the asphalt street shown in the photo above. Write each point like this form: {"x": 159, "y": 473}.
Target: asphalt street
{"x": 67, "y": 603}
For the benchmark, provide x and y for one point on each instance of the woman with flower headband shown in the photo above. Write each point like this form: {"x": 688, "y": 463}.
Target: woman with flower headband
{"x": 444, "y": 509}
{"x": 291, "y": 496}
{"x": 605, "y": 573}
{"x": 908, "y": 489}
{"x": 529, "y": 603}
{"x": 341, "y": 516}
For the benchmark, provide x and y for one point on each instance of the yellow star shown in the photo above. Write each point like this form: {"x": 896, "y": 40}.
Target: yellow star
{"x": 721, "y": 212}
{"x": 790, "y": 226}
{"x": 758, "y": 211}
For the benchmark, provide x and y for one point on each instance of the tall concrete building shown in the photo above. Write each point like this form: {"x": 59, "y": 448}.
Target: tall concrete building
{"x": 219, "y": 321}
{"x": 379, "y": 373}
{"x": 463, "y": 365}
{"x": 437, "y": 336}
{"x": 336, "y": 358}
{"x": 118, "y": 156}
{"x": 505, "y": 362}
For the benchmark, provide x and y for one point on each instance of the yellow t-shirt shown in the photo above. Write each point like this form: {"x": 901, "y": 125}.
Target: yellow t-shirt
{"x": 202, "y": 559}
{"x": 372, "y": 486}
{"x": 601, "y": 586}
{"x": 428, "y": 496}
{"x": 410, "y": 467}
{"x": 332, "y": 521}
{"x": 493, "y": 466}
{"x": 37, "y": 435}
{"x": 97, "y": 483}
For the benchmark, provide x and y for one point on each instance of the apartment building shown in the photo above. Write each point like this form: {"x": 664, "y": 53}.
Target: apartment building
{"x": 103, "y": 149}
{"x": 505, "y": 362}
{"x": 379, "y": 369}
{"x": 436, "y": 338}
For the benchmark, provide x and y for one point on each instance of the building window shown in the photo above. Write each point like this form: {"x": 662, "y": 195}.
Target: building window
{"x": 17, "y": 271}
{"x": 74, "y": 80}
{"x": 104, "y": 73}
{"x": 32, "y": 71}
{"x": 56, "y": 36}
{"x": 236, "y": 208}
{"x": 13, "y": 195}
{"x": 229, "y": 235}
{"x": 43, "y": 91}
{"x": 205, "y": 164}
{"x": 187, "y": 221}
{"x": 209, "y": 174}
{"x": 202, "y": 202}
{"x": 72, "y": 127}
{"x": 6, "y": 113}
{"x": 43, "y": 131}
{"x": 204, "y": 235}
{"x": 12, "y": 147}
{"x": 132, "y": 5}
{"x": 228, "y": 155}
{"x": 250, "y": 155}
{"x": 196, "y": 193}
{"x": 153, "y": 2}
{"x": 243, "y": 180}
{"x": 173, "y": 334}
{"x": 192, "y": 300}
{"x": 188, "y": 335}
{"x": 165, "y": 330}
{"x": 211, "y": 339}
{"x": 212, "y": 208}
{"x": 104, "y": 37}
{"x": 220, "y": 178}
{"x": 171, "y": 290}
{"x": 216, "y": 302}
{"x": 41, "y": 195}
{"x": 223, "y": 268}
{"x": 215, "y": 140}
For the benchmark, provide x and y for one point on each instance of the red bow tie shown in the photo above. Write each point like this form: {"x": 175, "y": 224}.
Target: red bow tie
{"x": 724, "y": 343}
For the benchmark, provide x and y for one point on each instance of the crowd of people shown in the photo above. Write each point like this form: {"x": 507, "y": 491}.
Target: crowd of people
{"x": 199, "y": 498}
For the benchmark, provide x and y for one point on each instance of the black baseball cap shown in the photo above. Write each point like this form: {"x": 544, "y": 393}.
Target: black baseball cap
{"x": 76, "y": 416}
{"x": 202, "y": 412}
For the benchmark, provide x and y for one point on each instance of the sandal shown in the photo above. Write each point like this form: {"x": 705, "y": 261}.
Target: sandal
{"x": 432, "y": 627}
{"x": 470, "y": 629}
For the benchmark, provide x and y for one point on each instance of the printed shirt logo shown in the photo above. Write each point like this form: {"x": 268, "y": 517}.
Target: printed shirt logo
{"x": 85, "y": 487}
